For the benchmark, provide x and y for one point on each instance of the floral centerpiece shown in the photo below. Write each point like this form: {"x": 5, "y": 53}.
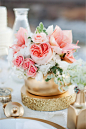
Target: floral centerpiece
{"x": 46, "y": 53}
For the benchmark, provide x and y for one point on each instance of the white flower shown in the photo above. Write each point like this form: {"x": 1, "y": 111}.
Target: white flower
{"x": 19, "y": 72}
{"x": 50, "y": 30}
{"x": 45, "y": 68}
{"x": 28, "y": 43}
{"x": 63, "y": 65}
{"x": 27, "y": 51}
{"x": 67, "y": 80}
{"x": 56, "y": 58}
{"x": 39, "y": 76}
{"x": 24, "y": 51}
{"x": 81, "y": 86}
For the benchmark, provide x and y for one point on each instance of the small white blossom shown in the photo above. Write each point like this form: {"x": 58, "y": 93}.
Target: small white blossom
{"x": 81, "y": 86}
{"x": 27, "y": 51}
{"x": 56, "y": 58}
{"x": 19, "y": 72}
{"x": 39, "y": 76}
{"x": 46, "y": 67}
{"x": 63, "y": 65}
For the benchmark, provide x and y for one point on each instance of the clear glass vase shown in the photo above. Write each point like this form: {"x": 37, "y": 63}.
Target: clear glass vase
{"x": 21, "y": 19}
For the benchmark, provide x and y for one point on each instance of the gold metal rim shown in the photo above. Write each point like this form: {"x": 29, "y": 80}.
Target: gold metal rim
{"x": 41, "y": 120}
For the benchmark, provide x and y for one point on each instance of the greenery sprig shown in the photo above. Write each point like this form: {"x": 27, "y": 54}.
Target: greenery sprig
{"x": 54, "y": 70}
{"x": 41, "y": 29}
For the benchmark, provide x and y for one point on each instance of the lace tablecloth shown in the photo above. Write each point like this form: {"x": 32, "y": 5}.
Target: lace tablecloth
{"x": 59, "y": 117}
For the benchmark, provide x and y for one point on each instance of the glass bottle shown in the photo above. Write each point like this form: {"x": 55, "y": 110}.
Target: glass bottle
{"x": 21, "y": 19}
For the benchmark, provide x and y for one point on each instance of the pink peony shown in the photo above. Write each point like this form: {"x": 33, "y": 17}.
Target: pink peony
{"x": 39, "y": 38}
{"x": 27, "y": 62}
{"x": 32, "y": 71}
{"x": 18, "y": 61}
{"x": 61, "y": 41}
{"x": 41, "y": 53}
{"x": 22, "y": 36}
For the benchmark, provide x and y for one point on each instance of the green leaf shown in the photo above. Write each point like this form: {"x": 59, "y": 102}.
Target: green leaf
{"x": 45, "y": 32}
{"x": 29, "y": 37}
{"x": 56, "y": 64}
{"x": 60, "y": 70}
{"x": 38, "y": 29}
{"x": 31, "y": 40}
{"x": 41, "y": 26}
{"x": 47, "y": 79}
{"x": 53, "y": 69}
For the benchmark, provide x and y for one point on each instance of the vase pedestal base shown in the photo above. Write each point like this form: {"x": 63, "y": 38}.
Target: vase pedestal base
{"x": 49, "y": 103}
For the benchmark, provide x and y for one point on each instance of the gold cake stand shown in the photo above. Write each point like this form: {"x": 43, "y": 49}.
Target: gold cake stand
{"x": 48, "y": 103}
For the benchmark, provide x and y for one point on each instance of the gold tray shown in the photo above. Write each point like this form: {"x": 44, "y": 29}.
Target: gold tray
{"x": 47, "y": 103}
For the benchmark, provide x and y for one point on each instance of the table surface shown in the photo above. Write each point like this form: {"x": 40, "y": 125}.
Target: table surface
{"x": 59, "y": 117}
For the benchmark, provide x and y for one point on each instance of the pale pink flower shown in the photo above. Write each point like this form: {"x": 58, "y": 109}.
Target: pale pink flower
{"x": 69, "y": 57}
{"x": 31, "y": 72}
{"x": 18, "y": 61}
{"x": 22, "y": 36}
{"x": 61, "y": 41}
{"x": 17, "y": 48}
{"x": 27, "y": 62}
{"x": 39, "y": 38}
{"x": 41, "y": 53}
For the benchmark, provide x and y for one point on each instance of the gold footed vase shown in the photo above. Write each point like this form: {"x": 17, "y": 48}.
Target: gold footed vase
{"x": 45, "y": 96}
{"x": 43, "y": 88}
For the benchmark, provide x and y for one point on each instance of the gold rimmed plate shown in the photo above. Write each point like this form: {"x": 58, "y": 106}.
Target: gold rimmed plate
{"x": 14, "y": 109}
{"x": 26, "y": 121}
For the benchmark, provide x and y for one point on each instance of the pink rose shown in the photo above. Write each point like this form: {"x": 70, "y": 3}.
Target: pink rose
{"x": 39, "y": 38}
{"x": 27, "y": 62}
{"x": 61, "y": 40}
{"x": 22, "y": 36}
{"x": 32, "y": 71}
{"x": 18, "y": 61}
{"x": 41, "y": 53}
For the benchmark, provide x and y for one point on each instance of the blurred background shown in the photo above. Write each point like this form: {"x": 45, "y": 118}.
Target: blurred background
{"x": 68, "y": 14}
